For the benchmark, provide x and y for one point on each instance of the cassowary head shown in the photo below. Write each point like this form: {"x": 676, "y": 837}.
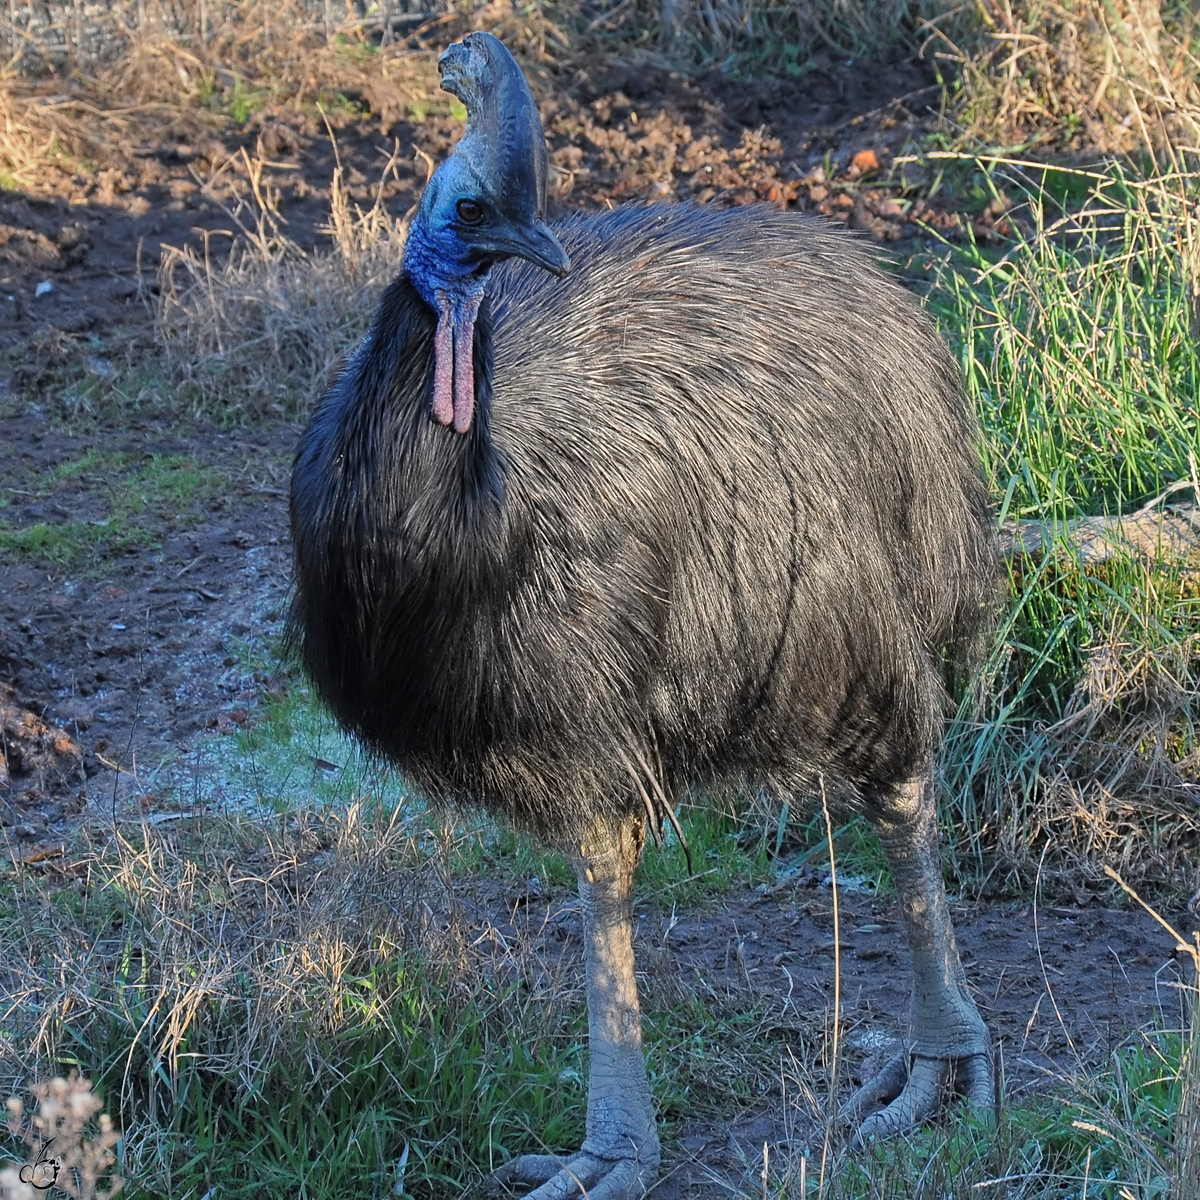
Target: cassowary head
{"x": 486, "y": 202}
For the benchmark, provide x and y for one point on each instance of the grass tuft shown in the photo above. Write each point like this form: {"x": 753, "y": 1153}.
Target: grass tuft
{"x": 1107, "y": 76}
{"x": 263, "y": 328}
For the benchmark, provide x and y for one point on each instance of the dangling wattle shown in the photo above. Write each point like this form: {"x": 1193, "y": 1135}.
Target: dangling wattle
{"x": 454, "y": 359}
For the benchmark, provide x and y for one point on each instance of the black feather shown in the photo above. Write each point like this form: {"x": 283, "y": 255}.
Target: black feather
{"x": 719, "y": 515}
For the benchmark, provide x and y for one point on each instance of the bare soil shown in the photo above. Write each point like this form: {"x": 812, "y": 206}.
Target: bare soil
{"x": 1060, "y": 985}
{"x": 116, "y": 657}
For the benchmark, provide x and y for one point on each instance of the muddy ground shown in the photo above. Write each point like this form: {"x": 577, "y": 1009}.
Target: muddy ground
{"x": 1059, "y": 985}
{"x": 120, "y": 643}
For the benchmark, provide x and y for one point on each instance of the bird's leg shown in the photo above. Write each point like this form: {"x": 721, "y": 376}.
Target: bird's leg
{"x": 620, "y": 1151}
{"x": 948, "y": 1046}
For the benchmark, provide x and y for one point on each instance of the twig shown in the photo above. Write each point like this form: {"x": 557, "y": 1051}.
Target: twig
{"x": 837, "y": 990}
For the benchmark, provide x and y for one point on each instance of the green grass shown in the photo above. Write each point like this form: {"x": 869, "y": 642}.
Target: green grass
{"x": 1085, "y": 369}
{"x": 140, "y": 499}
{"x": 342, "y": 1024}
{"x": 454, "y": 1082}
{"x": 1079, "y": 350}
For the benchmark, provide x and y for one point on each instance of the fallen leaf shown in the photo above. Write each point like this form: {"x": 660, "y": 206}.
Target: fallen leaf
{"x": 74, "y": 709}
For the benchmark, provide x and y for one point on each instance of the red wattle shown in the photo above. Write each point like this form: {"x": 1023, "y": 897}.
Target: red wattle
{"x": 454, "y": 362}
{"x": 442, "y": 408}
{"x": 464, "y": 363}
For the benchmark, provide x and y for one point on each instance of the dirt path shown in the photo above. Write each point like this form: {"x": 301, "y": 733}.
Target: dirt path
{"x": 78, "y": 259}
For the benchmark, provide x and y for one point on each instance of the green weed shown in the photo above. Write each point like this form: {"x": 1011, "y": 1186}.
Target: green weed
{"x": 140, "y": 501}
{"x": 1077, "y": 346}
{"x": 237, "y": 101}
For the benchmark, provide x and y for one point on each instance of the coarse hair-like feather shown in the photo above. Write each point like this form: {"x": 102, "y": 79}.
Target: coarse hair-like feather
{"x": 720, "y": 514}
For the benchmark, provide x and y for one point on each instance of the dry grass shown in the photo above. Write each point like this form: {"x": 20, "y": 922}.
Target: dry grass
{"x": 216, "y": 977}
{"x": 262, "y": 327}
{"x": 755, "y": 35}
{"x": 63, "y": 1151}
{"x": 1112, "y": 783}
{"x": 1078, "y": 74}
{"x": 138, "y": 71}
{"x": 1114, "y": 76}
{"x": 139, "y": 84}
{"x": 266, "y": 924}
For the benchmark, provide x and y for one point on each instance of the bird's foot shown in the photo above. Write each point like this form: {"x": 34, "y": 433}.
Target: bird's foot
{"x": 913, "y": 1088}
{"x": 554, "y": 1178}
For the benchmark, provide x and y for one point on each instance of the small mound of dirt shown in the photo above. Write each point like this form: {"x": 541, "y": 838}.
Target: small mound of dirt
{"x": 41, "y": 778}
{"x": 32, "y": 749}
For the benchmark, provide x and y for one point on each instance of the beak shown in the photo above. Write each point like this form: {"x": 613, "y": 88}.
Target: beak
{"x": 532, "y": 241}
{"x": 538, "y": 245}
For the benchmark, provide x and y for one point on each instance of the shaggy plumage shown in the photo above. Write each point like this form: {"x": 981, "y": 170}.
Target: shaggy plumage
{"x": 706, "y": 508}
{"x": 718, "y": 514}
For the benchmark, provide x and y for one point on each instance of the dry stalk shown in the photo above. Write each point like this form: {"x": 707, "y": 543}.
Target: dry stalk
{"x": 1118, "y": 776}
{"x": 63, "y": 1152}
{"x": 264, "y": 326}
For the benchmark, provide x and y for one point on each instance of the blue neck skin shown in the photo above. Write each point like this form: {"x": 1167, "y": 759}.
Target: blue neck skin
{"x": 440, "y": 265}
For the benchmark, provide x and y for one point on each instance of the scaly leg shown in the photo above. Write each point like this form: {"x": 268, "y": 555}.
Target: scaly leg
{"x": 948, "y": 1046}
{"x": 620, "y": 1153}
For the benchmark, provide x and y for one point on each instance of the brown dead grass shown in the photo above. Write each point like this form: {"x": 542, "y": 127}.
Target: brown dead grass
{"x": 263, "y": 327}
{"x": 1107, "y": 76}
{"x": 163, "y": 82}
{"x": 273, "y": 921}
{"x": 1113, "y": 783}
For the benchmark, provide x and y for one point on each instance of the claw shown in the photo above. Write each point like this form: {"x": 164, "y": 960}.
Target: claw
{"x": 559, "y": 1179}
{"x": 529, "y": 1170}
{"x": 975, "y": 1079}
{"x": 913, "y": 1094}
{"x": 881, "y": 1088}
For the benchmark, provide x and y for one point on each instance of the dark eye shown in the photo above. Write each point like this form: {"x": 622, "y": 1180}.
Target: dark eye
{"x": 469, "y": 211}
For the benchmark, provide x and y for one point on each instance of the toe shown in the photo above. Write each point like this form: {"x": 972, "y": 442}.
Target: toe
{"x": 920, "y": 1098}
{"x": 975, "y": 1079}
{"x": 529, "y": 1170}
{"x": 595, "y": 1178}
{"x": 882, "y": 1087}
{"x": 623, "y": 1182}
{"x": 584, "y": 1174}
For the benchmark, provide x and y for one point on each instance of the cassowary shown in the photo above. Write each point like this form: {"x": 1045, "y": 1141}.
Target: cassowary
{"x": 647, "y": 500}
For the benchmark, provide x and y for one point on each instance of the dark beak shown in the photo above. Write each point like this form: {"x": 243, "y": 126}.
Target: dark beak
{"x": 528, "y": 239}
{"x": 536, "y": 244}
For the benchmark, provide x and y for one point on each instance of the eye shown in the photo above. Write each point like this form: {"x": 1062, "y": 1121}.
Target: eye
{"x": 469, "y": 211}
